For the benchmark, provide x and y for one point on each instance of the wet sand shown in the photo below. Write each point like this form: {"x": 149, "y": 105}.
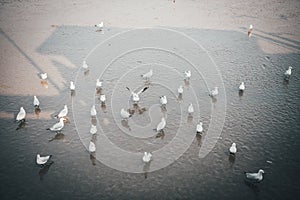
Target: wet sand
{"x": 56, "y": 36}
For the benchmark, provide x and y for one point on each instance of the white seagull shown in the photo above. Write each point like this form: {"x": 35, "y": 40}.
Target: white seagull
{"x": 72, "y": 86}
{"x": 84, "y": 65}
{"x": 92, "y": 147}
{"x": 100, "y": 26}
{"x": 148, "y": 75}
{"x": 214, "y": 92}
{"x": 135, "y": 96}
{"x": 250, "y": 30}
{"x": 233, "y": 149}
{"x": 21, "y": 115}
{"x": 191, "y": 109}
{"x": 242, "y": 86}
{"x": 147, "y": 157}
{"x": 199, "y": 128}
{"x": 163, "y": 100}
{"x": 125, "y": 114}
{"x": 41, "y": 160}
{"x": 188, "y": 74}
{"x": 63, "y": 112}
{"x": 58, "y": 126}
{"x": 93, "y": 129}
{"x": 288, "y": 72}
{"x": 36, "y": 102}
{"x": 93, "y": 111}
{"x": 98, "y": 83}
{"x": 255, "y": 176}
{"x": 180, "y": 89}
{"x": 102, "y": 98}
{"x": 43, "y": 76}
{"x": 161, "y": 125}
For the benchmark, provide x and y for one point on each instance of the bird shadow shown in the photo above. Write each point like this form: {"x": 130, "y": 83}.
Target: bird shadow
{"x": 93, "y": 158}
{"x": 146, "y": 168}
{"x": 187, "y": 82}
{"x": 37, "y": 111}
{"x": 94, "y": 120}
{"x": 241, "y": 93}
{"x": 58, "y": 136}
{"x": 73, "y": 93}
{"x": 231, "y": 158}
{"x": 86, "y": 72}
{"x": 179, "y": 98}
{"x": 160, "y": 134}
{"x": 125, "y": 124}
{"x": 190, "y": 119}
{"x": 199, "y": 139}
{"x": 44, "y": 170}
{"x": 253, "y": 186}
{"x": 22, "y": 124}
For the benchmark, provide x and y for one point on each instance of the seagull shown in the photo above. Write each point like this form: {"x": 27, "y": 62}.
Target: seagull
{"x": 135, "y": 96}
{"x": 100, "y": 26}
{"x": 180, "y": 89}
{"x": 92, "y": 147}
{"x": 63, "y": 112}
{"x": 84, "y": 65}
{"x": 98, "y": 83}
{"x": 233, "y": 149}
{"x": 93, "y": 111}
{"x": 250, "y": 30}
{"x": 36, "y": 102}
{"x": 43, "y": 76}
{"x": 288, "y": 72}
{"x": 125, "y": 114}
{"x": 188, "y": 74}
{"x": 58, "y": 126}
{"x": 161, "y": 125}
{"x": 255, "y": 176}
{"x": 199, "y": 128}
{"x": 93, "y": 129}
{"x": 191, "y": 109}
{"x": 148, "y": 75}
{"x": 21, "y": 115}
{"x": 72, "y": 86}
{"x": 214, "y": 92}
{"x": 41, "y": 160}
{"x": 147, "y": 157}
{"x": 102, "y": 98}
{"x": 242, "y": 86}
{"x": 163, "y": 100}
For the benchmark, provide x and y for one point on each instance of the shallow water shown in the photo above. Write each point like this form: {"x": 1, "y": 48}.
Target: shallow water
{"x": 264, "y": 122}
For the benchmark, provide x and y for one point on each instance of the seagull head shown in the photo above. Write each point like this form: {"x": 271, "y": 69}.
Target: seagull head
{"x": 251, "y": 26}
{"x": 290, "y": 67}
{"x": 261, "y": 171}
{"x": 61, "y": 119}
{"x": 233, "y": 144}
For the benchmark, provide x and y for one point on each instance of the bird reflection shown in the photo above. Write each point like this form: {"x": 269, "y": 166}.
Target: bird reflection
{"x": 160, "y": 134}
{"x": 44, "y": 83}
{"x": 94, "y": 120}
{"x": 99, "y": 91}
{"x": 231, "y": 158}
{"x": 187, "y": 82}
{"x": 22, "y": 124}
{"x": 93, "y": 158}
{"x": 241, "y": 93}
{"x": 137, "y": 109}
{"x": 37, "y": 110}
{"x": 146, "y": 168}
{"x": 73, "y": 93}
{"x": 286, "y": 82}
{"x": 124, "y": 123}
{"x": 213, "y": 99}
{"x": 44, "y": 170}
{"x": 103, "y": 107}
{"x": 190, "y": 119}
{"x": 254, "y": 187}
{"x": 179, "y": 98}
{"x": 86, "y": 72}
{"x": 58, "y": 136}
{"x": 199, "y": 138}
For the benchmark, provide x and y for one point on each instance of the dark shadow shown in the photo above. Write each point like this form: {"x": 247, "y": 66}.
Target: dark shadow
{"x": 125, "y": 124}
{"x": 37, "y": 111}
{"x": 190, "y": 119}
{"x": 179, "y": 98}
{"x": 94, "y": 120}
{"x": 93, "y": 158}
{"x": 199, "y": 138}
{"x": 44, "y": 170}
{"x": 22, "y": 124}
{"x": 146, "y": 168}
{"x": 58, "y": 136}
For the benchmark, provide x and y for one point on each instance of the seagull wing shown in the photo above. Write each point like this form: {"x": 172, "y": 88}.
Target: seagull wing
{"x": 142, "y": 90}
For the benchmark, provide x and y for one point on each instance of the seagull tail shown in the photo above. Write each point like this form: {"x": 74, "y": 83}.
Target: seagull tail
{"x": 48, "y": 129}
